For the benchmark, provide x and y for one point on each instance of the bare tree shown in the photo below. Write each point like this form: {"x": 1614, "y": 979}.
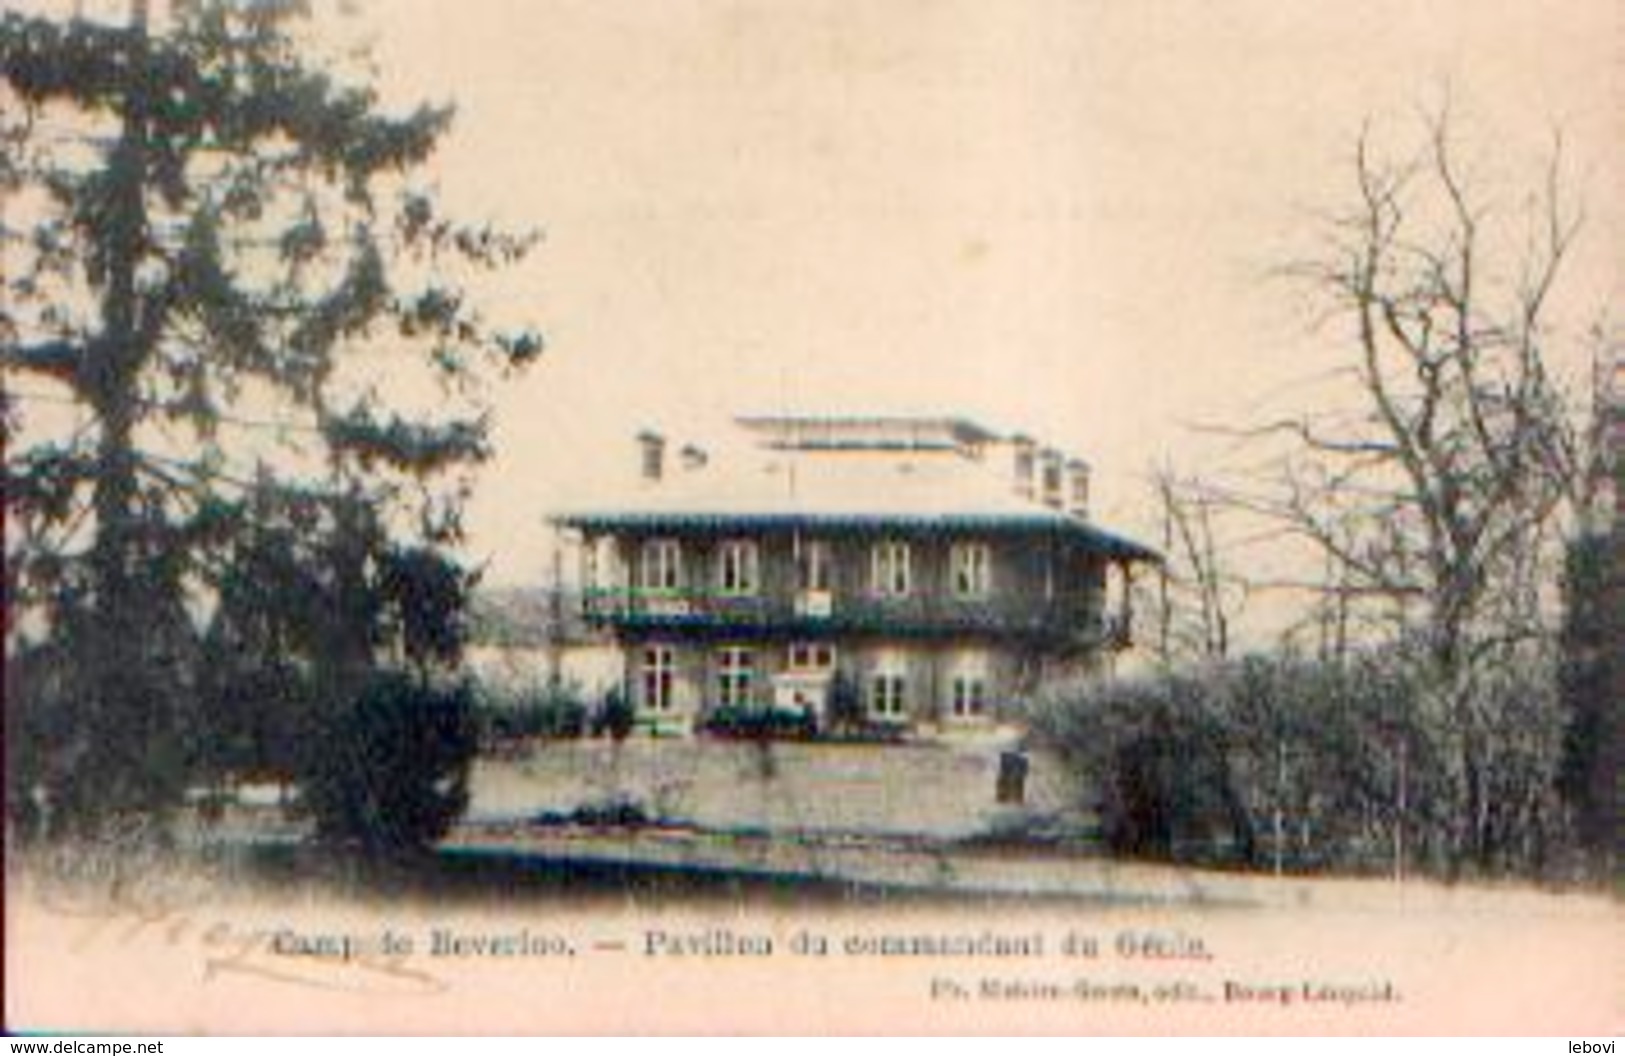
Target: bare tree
{"x": 1436, "y": 496}
{"x": 1197, "y": 598}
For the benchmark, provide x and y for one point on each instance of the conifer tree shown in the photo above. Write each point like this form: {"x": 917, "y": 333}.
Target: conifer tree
{"x": 216, "y": 252}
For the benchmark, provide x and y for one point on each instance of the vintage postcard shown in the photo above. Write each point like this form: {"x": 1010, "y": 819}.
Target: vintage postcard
{"x": 812, "y": 517}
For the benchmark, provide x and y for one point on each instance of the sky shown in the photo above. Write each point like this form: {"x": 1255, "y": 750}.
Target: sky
{"x": 1059, "y": 218}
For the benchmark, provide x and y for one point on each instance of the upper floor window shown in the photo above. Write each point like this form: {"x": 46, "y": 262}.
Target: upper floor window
{"x": 891, "y": 568}
{"x": 659, "y": 669}
{"x": 738, "y": 567}
{"x": 736, "y": 671}
{"x": 969, "y": 566}
{"x": 661, "y": 565}
{"x": 814, "y": 566}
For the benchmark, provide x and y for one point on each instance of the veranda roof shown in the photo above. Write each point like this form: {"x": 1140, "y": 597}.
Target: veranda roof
{"x": 925, "y": 491}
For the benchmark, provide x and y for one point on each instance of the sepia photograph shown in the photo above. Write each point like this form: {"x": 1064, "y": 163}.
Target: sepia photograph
{"x": 812, "y": 517}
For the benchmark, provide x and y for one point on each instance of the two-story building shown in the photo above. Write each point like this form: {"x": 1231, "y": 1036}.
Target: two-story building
{"x": 922, "y": 572}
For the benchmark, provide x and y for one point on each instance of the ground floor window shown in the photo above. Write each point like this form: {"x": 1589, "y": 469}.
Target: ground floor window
{"x": 967, "y": 683}
{"x": 969, "y": 696}
{"x": 812, "y": 656}
{"x": 659, "y": 673}
{"x": 888, "y": 695}
{"x": 735, "y": 673}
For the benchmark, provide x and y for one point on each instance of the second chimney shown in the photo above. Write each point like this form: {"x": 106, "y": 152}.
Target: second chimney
{"x": 1050, "y": 471}
{"x": 1023, "y": 466}
{"x": 1077, "y": 485}
{"x": 651, "y": 456}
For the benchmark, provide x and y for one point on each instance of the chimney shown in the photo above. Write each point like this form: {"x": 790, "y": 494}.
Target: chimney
{"x": 651, "y": 456}
{"x": 692, "y": 457}
{"x": 1022, "y": 467}
{"x": 1051, "y": 470}
{"x": 1077, "y": 488}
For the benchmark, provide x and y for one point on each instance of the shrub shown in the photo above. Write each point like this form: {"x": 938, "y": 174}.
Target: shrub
{"x": 390, "y": 769}
{"x": 1156, "y": 754}
{"x": 761, "y": 723}
{"x": 845, "y": 704}
{"x": 614, "y": 716}
{"x": 1278, "y": 761}
{"x": 89, "y": 758}
{"x": 255, "y": 717}
{"x": 1592, "y": 684}
{"x": 615, "y": 812}
{"x": 552, "y": 712}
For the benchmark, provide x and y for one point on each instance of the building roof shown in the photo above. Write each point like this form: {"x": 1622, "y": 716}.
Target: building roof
{"x": 873, "y": 432}
{"x": 922, "y": 489}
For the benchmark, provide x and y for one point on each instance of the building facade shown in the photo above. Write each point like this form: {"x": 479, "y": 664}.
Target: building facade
{"x": 920, "y": 574}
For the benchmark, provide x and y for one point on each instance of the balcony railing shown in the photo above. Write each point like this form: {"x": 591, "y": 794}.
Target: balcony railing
{"x": 1071, "y": 619}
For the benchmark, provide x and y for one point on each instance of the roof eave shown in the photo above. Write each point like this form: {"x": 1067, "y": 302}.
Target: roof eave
{"x": 1094, "y": 538}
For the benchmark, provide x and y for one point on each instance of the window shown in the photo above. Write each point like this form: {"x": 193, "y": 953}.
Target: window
{"x": 661, "y": 565}
{"x": 968, "y": 565}
{"x": 887, "y": 695}
{"x": 737, "y": 564}
{"x": 969, "y": 696}
{"x": 891, "y": 577}
{"x": 887, "y": 686}
{"x": 967, "y": 686}
{"x": 812, "y": 656}
{"x": 659, "y": 668}
{"x": 814, "y": 566}
{"x": 735, "y": 671}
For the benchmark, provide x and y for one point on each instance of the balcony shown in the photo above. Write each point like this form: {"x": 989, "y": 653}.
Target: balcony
{"x": 1072, "y": 620}
{"x": 815, "y": 604}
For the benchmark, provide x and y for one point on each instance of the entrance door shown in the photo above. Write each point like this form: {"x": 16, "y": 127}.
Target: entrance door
{"x": 803, "y": 693}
